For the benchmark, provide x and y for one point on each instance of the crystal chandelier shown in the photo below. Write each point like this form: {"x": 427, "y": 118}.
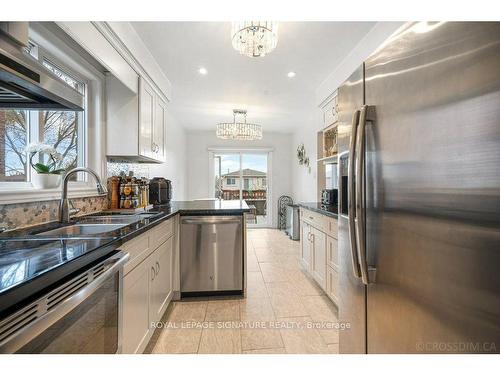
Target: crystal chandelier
{"x": 254, "y": 38}
{"x": 239, "y": 130}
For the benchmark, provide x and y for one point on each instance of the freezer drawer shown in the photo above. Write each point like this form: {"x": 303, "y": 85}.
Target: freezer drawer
{"x": 211, "y": 254}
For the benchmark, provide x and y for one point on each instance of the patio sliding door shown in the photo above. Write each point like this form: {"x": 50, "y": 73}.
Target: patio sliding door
{"x": 244, "y": 176}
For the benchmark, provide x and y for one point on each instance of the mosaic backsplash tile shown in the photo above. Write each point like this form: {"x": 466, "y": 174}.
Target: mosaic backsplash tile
{"x": 19, "y": 215}
{"x": 140, "y": 170}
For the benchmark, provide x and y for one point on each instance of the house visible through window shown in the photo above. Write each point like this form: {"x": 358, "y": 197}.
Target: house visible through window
{"x": 64, "y": 130}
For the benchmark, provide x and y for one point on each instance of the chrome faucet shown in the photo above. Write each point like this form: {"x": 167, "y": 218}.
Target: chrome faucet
{"x": 64, "y": 206}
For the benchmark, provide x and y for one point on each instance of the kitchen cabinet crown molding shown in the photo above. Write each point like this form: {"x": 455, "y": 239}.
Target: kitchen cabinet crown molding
{"x": 112, "y": 37}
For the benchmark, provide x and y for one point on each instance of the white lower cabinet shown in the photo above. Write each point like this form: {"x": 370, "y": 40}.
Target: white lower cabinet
{"x": 318, "y": 264}
{"x": 161, "y": 280}
{"x": 332, "y": 284}
{"x": 319, "y": 254}
{"x": 305, "y": 246}
{"x": 135, "y": 326}
{"x": 147, "y": 287}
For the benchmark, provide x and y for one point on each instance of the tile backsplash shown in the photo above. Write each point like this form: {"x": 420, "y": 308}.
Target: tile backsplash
{"x": 18, "y": 215}
{"x": 139, "y": 170}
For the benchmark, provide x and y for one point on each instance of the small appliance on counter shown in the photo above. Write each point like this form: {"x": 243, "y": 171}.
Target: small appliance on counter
{"x": 329, "y": 197}
{"x": 160, "y": 191}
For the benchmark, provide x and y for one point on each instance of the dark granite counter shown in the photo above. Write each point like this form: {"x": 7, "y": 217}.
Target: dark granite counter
{"x": 328, "y": 210}
{"x": 32, "y": 262}
{"x": 211, "y": 207}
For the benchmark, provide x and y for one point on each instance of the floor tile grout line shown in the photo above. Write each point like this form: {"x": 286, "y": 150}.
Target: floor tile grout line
{"x": 201, "y": 334}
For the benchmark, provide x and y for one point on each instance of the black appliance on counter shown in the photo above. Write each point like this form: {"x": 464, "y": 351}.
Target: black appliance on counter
{"x": 329, "y": 197}
{"x": 160, "y": 191}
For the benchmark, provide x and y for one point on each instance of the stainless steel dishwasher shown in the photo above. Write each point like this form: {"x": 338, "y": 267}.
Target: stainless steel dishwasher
{"x": 211, "y": 255}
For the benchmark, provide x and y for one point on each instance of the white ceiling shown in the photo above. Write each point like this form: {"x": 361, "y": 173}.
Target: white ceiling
{"x": 260, "y": 85}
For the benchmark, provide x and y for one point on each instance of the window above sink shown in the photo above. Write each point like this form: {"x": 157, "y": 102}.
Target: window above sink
{"x": 75, "y": 135}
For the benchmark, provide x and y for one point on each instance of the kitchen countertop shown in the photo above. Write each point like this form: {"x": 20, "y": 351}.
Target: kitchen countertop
{"x": 328, "y": 210}
{"x": 32, "y": 263}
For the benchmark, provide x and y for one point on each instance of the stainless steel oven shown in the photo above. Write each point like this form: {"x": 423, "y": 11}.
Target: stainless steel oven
{"x": 83, "y": 315}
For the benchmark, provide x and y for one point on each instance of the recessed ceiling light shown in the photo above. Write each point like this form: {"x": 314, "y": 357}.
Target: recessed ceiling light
{"x": 291, "y": 74}
{"x": 202, "y": 71}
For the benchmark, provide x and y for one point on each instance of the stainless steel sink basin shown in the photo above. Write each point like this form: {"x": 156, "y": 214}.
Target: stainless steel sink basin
{"x": 108, "y": 220}
{"x": 83, "y": 229}
{"x": 114, "y": 219}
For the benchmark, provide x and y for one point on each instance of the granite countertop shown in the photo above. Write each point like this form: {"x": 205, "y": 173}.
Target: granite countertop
{"x": 328, "y": 210}
{"x": 31, "y": 262}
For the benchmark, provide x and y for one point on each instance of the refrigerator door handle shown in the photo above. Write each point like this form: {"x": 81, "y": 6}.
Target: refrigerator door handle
{"x": 350, "y": 196}
{"x": 367, "y": 273}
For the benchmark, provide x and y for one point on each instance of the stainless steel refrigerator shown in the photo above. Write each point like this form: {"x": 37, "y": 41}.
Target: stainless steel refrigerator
{"x": 419, "y": 182}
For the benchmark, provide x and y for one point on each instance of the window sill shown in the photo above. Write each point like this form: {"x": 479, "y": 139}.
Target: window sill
{"x": 32, "y": 195}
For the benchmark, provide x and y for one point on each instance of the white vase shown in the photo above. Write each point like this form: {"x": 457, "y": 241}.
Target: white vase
{"x": 46, "y": 180}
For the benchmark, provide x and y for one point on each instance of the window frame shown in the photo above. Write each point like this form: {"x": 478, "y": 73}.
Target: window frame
{"x": 91, "y": 132}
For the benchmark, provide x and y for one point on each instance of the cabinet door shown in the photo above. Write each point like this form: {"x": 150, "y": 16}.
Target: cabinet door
{"x": 146, "y": 118}
{"x": 135, "y": 309}
{"x": 332, "y": 284}
{"x": 161, "y": 284}
{"x": 332, "y": 257}
{"x": 318, "y": 266}
{"x": 160, "y": 129}
{"x": 305, "y": 249}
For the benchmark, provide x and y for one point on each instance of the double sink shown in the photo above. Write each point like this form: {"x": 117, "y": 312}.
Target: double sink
{"x": 101, "y": 224}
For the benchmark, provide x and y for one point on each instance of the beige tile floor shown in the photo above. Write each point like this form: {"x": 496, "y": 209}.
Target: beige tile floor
{"x": 284, "y": 311}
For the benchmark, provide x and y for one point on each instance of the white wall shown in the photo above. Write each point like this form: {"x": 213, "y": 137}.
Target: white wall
{"x": 175, "y": 167}
{"x": 198, "y": 143}
{"x": 304, "y": 183}
{"x": 303, "y": 180}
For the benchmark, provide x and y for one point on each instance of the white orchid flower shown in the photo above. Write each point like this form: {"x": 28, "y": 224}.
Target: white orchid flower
{"x": 41, "y": 147}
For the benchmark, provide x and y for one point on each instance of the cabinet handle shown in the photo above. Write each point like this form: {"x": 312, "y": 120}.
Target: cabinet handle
{"x": 311, "y": 218}
{"x": 312, "y": 237}
{"x": 153, "y": 274}
{"x": 157, "y": 268}
{"x": 152, "y": 147}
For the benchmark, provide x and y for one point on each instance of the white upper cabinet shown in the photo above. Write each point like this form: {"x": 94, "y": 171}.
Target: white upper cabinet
{"x": 330, "y": 110}
{"x": 137, "y": 90}
{"x": 94, "y": 42}
{"x": 160, "y": 129}
{"x": 136, "y": 123}
{"x": 146, "y": 119}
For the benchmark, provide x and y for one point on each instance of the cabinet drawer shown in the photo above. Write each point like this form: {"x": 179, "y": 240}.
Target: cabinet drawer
{"x": 315, "y": 219}
{"x": 138, "y": 249}
{"x": 161, "y": 233}
{"x": 332, "y": 252}
{"x": 332, "y": 284}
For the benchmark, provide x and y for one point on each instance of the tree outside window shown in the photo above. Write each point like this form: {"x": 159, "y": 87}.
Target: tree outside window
{"x": 56, "y": 128}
